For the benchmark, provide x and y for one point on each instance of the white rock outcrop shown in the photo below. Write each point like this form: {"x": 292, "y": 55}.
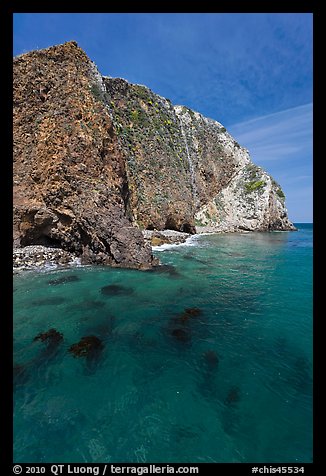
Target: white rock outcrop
{"x": 249, "y": 200}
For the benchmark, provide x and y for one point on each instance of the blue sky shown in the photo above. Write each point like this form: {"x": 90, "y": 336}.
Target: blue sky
{"x": 251, "y": 72}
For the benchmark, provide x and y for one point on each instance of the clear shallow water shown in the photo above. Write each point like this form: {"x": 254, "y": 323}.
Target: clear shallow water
{"x": 234, "y": 385}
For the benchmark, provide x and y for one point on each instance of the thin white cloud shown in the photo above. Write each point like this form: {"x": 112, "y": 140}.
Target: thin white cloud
{"x": 300, "y": 110}
{"x": 273, "y": 152}
{"x": 282, "y": 143}
{"x": 296, "y": 179}
{"x": 284, "y": 135}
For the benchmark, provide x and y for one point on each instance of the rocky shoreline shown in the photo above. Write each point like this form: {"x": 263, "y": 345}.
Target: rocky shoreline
{"x": 38, "y": 256}
{"x": 105, "y": 159}
{"x": 170, "y": 237}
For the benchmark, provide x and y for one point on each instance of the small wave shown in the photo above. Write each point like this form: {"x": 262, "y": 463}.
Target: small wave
{"x": 76, "y": 261}
{"x": 52, "y": 266}
{"x": 191, "y": 241}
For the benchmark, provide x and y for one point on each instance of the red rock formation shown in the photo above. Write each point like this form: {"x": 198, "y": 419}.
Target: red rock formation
{"x": 69, "y": 175}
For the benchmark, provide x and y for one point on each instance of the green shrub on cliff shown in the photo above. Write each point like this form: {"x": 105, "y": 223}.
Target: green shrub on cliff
{"x": 252, "y": 186}
{"x": 280, "y": 193}
{"x": 141, "y": 91}
{"x": 134, "y": 115}
{"x": 96, "y": 92}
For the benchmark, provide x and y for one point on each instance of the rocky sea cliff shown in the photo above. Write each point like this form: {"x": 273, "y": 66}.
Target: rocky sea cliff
{"x": 100, "y": 162}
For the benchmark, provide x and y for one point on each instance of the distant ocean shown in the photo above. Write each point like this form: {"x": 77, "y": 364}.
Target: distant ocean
{"x": 207, "y": 360}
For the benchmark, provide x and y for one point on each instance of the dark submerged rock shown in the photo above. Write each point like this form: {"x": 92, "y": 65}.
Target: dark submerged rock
{"x": 89, "y": 347}
{"x": 164, "y": 269}
{"x": 116, "y": 290}
{"x": 190, "y": 312}
{"x": 49, "y": 301}
{"x": 182, "y": 327}
{"x": 211, "y": 359}
{"x": 52, "y": 335}
{"x": 63, "y": 280}
{"x": 20, "y": 374}
{"x": 187, "y": 315}
{"x": 52, "y": 339}
{"x": 181, "y": 335}
{"x": 89, "y": 304}
{"x": 233, "y": 396}
{"x": 185, "y": 432}
{"x": 301, "y": 376}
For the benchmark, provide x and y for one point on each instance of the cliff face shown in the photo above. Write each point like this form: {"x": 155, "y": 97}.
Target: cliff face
{"x": 97, "y": 159}
{"x": 232, "y": 193}
{"x": 70, "y": 180}
{"x": 185, "y": 171}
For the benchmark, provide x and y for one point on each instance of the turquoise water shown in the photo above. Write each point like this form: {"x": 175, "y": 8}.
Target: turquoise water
{"x": 230, "y": 381}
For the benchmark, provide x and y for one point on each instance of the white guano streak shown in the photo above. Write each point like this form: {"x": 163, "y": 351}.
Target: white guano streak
{"x": 191, "y": 166}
